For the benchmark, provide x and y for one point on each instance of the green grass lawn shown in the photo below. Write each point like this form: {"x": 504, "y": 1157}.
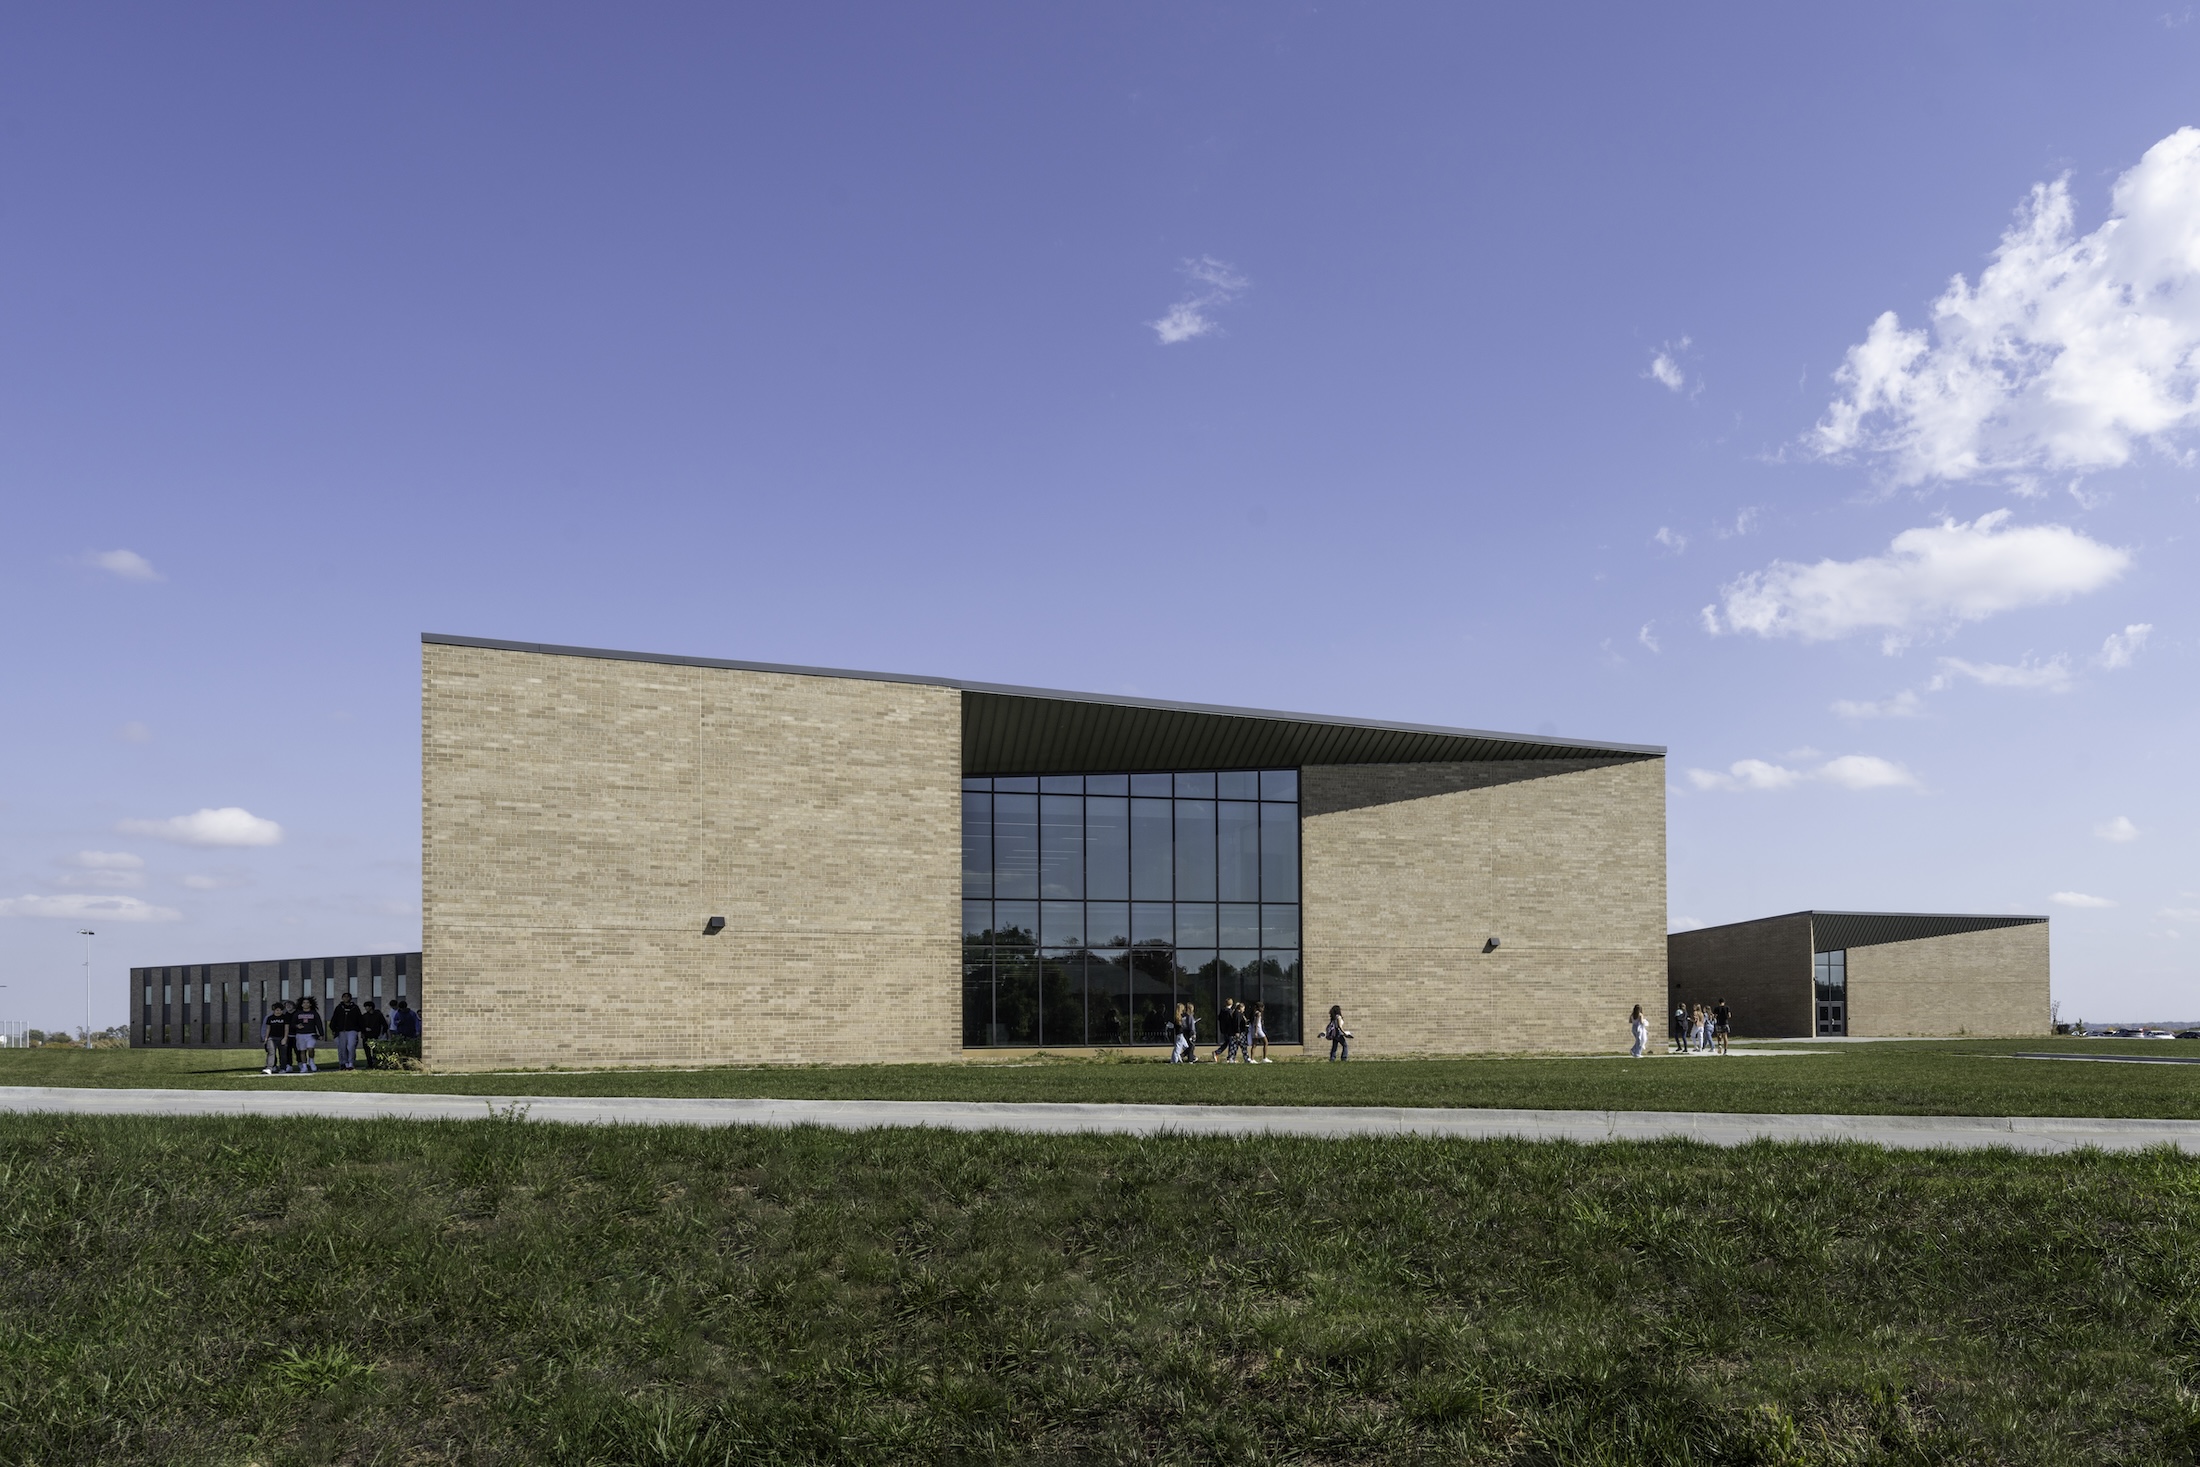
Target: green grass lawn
{"x": 1957, "y": 1077}
{"x": 229, "y": 1291}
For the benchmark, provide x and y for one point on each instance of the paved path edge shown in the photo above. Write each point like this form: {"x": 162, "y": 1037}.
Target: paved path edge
{"x": 2024, "y": 1133}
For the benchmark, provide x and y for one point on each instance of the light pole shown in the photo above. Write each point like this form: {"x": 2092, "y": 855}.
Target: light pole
{"x": 87, "y": 934}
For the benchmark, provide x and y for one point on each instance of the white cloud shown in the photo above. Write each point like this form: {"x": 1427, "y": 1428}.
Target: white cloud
{"x": 2053, "y": 675}
{"x": 1665, "y": 366}
{"x": 1745, "y": 520}
{"x": 228, "y": 826}
{"x": 1709, "y": 616}
{"x": 1850, "y": 771}
{"x": 2079, "y": 899}
{"x": 107, "y": 861}
{"x": 1905, "y": 704}
{"x": 1672, "y": 540}
{"x": 127, "y": 564}
{"x": 1866, "y": 772}
{"x": 1931, "y": 578}
{"x": 2119, "y": 830}
{"x": 2181, "y": 914}
{"x": 1745, "y": 774}
{"x": 87, "y": 908}
{"x": 2121, "y": 647}
{"x": 114, "y": 870}
{"x": 2069, "y": 353}
{"x": 1214, "y": 284}
{"x": 1646, "y": 639}
{"x": 134, "y": 733}
{"x": 1685, "y": 924}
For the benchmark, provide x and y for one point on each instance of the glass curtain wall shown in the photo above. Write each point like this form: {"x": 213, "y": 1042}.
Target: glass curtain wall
{"x": 1094, "y": 904}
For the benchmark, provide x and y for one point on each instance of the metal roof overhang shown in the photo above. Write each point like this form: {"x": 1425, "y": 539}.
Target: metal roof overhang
{"x": 1834, "y": 931}
{"x": 1016, "y": 730}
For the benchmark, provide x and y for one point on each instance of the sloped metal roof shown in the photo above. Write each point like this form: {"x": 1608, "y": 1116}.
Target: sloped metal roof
{"x": 1016, "y": 730}
{"x": 1832, "y": 931}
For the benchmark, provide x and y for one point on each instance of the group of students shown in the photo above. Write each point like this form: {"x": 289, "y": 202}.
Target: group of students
{"x": 1701, "y": 1027}
{"x": 1240, "y": 1029}
{"x": 1697, "y": 1026}
{"x": 292, "y": 1034}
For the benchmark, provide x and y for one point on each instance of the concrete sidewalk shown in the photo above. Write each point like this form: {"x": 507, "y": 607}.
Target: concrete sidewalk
{"x": 2022, "y": 1133}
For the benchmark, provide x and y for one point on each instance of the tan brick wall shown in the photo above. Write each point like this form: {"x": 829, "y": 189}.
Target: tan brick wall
{"x": 1991, "y": 983}
{"x": 1409, "y": 868}
{"x": 582, "y": 817}
{"x": 1761, "y": 970}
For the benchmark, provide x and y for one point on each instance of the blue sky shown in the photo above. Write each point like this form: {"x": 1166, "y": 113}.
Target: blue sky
{"x": 1521, "y": 368}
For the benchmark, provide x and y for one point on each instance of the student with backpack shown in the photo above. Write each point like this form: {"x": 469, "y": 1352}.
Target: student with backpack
{"x": 1339, "y": 1037}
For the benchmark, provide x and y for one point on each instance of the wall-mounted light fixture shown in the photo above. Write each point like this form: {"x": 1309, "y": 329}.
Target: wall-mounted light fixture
{"x": 714, "y": 926}
{"x": 1490, "y": 946}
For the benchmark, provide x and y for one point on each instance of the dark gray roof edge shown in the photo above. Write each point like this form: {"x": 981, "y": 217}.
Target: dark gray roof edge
{"x": 1057, "y": 695}
{"x": 398, "y": 952}
{"x": 2010, "y": 917}
{"x": 1936, "y": 916}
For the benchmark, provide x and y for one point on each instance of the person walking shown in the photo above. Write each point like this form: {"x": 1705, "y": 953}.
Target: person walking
{"x": 1339, "y": 1037}
{"x": 346, "y": 1022}
{"x": 1722, "y": 1024}
{"x": 373, "y": 1024}
{"x": 1641, "y": 1028}
{"x": 1259, "y": 1036}
{"x": 1678, "y": 1025}
{"x": 1187, "y": 1025}
{"x": 404, "y": 1023}
{"x": 275, "y": 1036}
{"x": 306, "y": 1027}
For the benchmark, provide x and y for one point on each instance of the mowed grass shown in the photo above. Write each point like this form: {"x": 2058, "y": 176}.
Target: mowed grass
{"x": 1958, "y": 1077}
{"x": 302, "y": 1291}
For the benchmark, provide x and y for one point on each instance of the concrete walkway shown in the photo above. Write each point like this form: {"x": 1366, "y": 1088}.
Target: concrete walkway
{"x": 2022, "y": 1133}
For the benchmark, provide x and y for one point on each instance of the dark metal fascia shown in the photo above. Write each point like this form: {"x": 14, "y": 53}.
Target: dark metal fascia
{"x": 1514, "y": 746}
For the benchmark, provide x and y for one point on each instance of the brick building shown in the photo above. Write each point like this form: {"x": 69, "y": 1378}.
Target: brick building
{"x": 1873, "y": 975}
{"x": 640, "y": 859}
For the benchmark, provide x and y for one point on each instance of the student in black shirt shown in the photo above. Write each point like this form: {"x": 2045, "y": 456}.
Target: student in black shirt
{"x": 372, "y": 1026}
{"x": 345, "y": 1022}
{"x": 275, "y": 1036}
{"x": 305, "y": 1033}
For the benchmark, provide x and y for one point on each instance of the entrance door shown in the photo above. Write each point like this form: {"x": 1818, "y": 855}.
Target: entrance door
{"x": 1830, "y": 982}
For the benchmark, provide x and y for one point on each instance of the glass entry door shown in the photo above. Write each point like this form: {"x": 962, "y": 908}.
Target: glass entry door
{"x": 1830, "y": 975}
